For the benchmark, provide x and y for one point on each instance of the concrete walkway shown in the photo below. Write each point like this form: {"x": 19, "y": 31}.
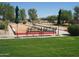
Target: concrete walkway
{"x": 8, "y": 34}
{"x": 62, "y": 32}
{"x": 10, "y": 31}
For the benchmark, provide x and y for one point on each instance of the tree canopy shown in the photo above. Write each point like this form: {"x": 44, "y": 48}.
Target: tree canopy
{"x": 17, "y": 14}
{"x": 22, "y": 14}
{"x": 76, "y": 14}
{"x": 7, "y": 11}
{"x": 51, "y": 18}
{"x": 59, "y": 17}
{"x": 32, "y": 14}
{"x": 64, "y": 16}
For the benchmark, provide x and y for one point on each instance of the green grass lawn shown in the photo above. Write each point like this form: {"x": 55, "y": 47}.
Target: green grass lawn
{"x": 57, "y": 46}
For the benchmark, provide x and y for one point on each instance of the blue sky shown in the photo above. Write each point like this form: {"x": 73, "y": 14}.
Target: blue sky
{"x": 45, "y": 9}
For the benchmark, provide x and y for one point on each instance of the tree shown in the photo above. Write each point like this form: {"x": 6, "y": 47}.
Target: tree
{"x": 10, "y": 13}
{"x": 22, "y": 15}
{"x": 7, "y": 11}
{"x": 65, "y": 16}
{"x": 51, "y": 18}
{"x": 1, "y": 9}
{"x": 17, "y": 14}
{"x": 17, "y": 20}
{"x": 6, "y": 25}
{"x": 59, "y": 17}
{"x": 70, "y": 16}
{"x": 7, "y": 14}
{"x": 32, "y": 14}
{"x": 76, "y": 14}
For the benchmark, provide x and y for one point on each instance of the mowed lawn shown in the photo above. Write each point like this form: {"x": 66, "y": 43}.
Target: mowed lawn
{"x": 44, "y": 47}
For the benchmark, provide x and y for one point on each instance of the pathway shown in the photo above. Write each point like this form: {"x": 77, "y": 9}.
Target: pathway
{"x": 11, "y": 34}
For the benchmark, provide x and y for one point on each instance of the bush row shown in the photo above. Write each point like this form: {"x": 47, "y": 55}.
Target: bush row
{"x": 74, "y": 29}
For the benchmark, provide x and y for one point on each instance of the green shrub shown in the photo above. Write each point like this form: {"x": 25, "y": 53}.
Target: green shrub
{"x": 2, "y": 25}
{"x": 6, "y": 24}
{"x": 74, "y": 29}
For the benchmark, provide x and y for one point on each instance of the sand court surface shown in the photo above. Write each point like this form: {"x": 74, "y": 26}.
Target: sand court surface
{"x": 22, "y": 28}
